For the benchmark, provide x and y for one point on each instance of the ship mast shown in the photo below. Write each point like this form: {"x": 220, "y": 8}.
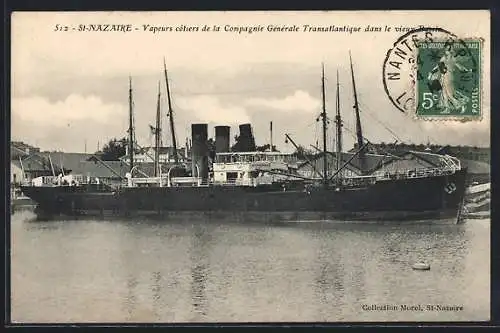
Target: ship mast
{"x": 170, "y": 115}
{"x": 271, "y": 136}
{"x": 131, "y": 126}
{"x": 338, "y": 121}
{"x": 323, "y": 116}
{"x": 359, "y": 132}
{"x": 158, "y": 133}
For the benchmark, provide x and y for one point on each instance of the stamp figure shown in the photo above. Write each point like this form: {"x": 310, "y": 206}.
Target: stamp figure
{"x": 449, "y": 80}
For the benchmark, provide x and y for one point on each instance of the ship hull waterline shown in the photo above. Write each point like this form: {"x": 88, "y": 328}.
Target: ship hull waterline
{"x": 436, "y": 198}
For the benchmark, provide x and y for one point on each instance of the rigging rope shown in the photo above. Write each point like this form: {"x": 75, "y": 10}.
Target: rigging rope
{"x": 368, "y": 112}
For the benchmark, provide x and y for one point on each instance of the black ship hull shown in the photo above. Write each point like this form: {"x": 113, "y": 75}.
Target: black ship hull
{"x": 436, "y": 198}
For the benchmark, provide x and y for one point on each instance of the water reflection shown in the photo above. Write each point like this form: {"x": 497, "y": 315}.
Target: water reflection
{"x": 156, "y": 292}
{"x": 358, "y": 280}
{"x": 195, "y": 271}
{"x": 200, "y": 247}
{"x": 328, "y": 280}
{"x": 130, "y": 299}
{"x": 198, "y": 295}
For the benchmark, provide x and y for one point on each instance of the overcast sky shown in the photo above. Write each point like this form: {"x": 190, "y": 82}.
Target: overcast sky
{"x": 70, "y": 88}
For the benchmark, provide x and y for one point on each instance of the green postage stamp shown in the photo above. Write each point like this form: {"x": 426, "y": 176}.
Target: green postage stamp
{"x": 449, "y": 79}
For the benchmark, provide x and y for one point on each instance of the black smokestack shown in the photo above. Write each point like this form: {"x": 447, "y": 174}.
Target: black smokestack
{"x": 199, "y": 150}
{"x": 246, "y": 140}
{"x": 222, "y": 139}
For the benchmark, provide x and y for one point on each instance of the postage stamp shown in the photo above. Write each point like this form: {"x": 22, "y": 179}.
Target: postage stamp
{"x": 448, "y": 79}
{"x": 431, "y": 73}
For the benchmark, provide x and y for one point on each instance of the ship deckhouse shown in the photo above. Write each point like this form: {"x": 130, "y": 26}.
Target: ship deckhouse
{"x": 251, "y": 168}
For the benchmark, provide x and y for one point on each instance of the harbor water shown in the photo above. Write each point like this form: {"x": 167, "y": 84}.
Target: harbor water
{"x": 218, "y": 271}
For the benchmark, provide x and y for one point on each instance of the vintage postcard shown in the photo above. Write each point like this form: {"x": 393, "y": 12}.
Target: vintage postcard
{"x": 249, "y": 167}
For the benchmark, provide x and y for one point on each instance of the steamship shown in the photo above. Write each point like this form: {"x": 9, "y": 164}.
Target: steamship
{"x": 341, "y": 186}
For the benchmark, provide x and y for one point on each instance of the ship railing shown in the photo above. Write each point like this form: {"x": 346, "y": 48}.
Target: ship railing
{"x": 68, "y": 180}
{"x": 45, "y": 181}
{"x": 253, "y": 182}
{"x": 450, "y": 161}
{"x": 184, "y": 181}
{"x": 239, "y": 182}
{"x": 414, "y": 173}
{"x": 188, "y": 181}
{"x": 146, "y": 180}
{"x": 203, "y": 182}
{"x": 229, "y": 182}
{"x": 358, "y": 181}
{"x": 455, "y": 162}
{"x": 165, "y": 181}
